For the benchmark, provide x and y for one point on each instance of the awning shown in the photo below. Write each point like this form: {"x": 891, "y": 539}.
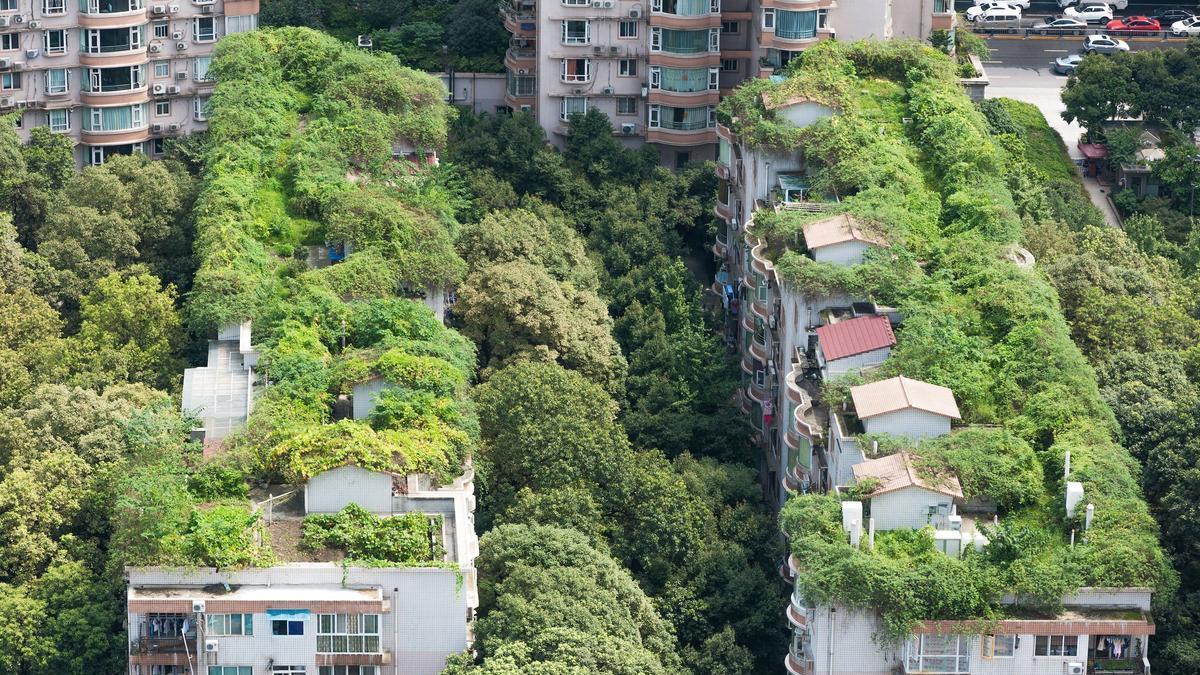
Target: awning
{"x": 792, "y": 182}
{"x": 1093, "y": 150}
{"x": 293, "y": 614}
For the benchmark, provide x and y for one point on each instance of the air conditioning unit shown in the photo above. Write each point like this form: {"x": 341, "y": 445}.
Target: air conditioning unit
{"x": 645, "y": 92}
{"x": 1074, "y": 668}
{"x": 206, "y": 9}
{"x": 522, "y": 71}
{"x": 5, "y": 21}
{"x": 628, "y": 128}
{"x": 173, "y": 9}
{"x": 609, "y": 4}
{"x": 31, "y": 53}
{"x": 173, "y": 127}
{"x": 202, "y": 2}
{"x": 18, "y": 65}
{"x": 155, "y": 48}
{"x": 210, "y": 646}
{"x": 181, "y": 76}
{"x": 177, "y": 35}
{"x": 608, "y": 91}
{"x": 156, "y": 128}
{"x": 526, "y": 108}
{"x": 158, "y": 9}
{"x": 613, "y": 50}
{"x": 181, "y": 46}
{"x": 174, "y": 89}
{"x": 197, "y": 606}
{"x": 364, "y": 41}
{"x": 6, "y": 102}
{"x": 635, "y": 12}
{"x": 597, "y": 4}
{"x": 35, "y": 24}
{"x": 5, "y": 63}
{"x": 597, "y": 49}
{"x": 159, "y": 89}
{"x": 578, "y": 92}
{"x": 19, "y": 18}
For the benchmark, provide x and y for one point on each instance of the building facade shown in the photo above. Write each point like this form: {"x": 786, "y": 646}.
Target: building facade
{"x": 116, "y": 76}
{"x": 658, "y": 68}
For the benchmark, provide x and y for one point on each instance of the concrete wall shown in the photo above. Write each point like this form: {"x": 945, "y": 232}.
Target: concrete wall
{"x": 910, "y": 422}
{"x": 333, "y": 490}
{"x": 844, "y": 638}
{"x": 845, "y": 253}
{"x": 861, "y": 19}
{"x": 427, "y": 622}
{"x": 364, "y": 394}
{"x": 905, "y": 509}
{"x": 477, "y": 92}
{"x": 804, "y": 114}
{"x": 854, "y": 363}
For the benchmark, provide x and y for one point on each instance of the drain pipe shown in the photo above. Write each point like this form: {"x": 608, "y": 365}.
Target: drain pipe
{"x": 829, "y": 666}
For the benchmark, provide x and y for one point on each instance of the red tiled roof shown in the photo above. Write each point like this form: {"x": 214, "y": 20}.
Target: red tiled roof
{"x": 1093, "y": 150}
{"x": 856, "y": 336}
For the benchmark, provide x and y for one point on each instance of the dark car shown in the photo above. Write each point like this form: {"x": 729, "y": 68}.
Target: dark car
{"x": 1169, "y": 15}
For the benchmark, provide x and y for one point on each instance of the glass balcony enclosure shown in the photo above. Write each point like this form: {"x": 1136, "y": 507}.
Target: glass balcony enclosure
{"x": 104, "y": 80}
{"x": 111, "y": 40}
{"x": 110, "y": 6}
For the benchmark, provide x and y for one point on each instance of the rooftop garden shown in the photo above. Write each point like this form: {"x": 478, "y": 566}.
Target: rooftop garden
{"x": 300, "y": 151}
{"x": 950, "y": 190}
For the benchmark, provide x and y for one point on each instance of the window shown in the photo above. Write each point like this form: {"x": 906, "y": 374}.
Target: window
{"x": 686, "y": 7}
{"x": 118, "y": 118}
{"x": 162, "y": 68}
{"x": 521, "y": 85}
{"x": 200, "y": 109}
{"x": 285, "y": 626}
{"x": 576, "y": 3}
{"x": 822, "y": 18}
{"x": 58, "y": 120}
{"x": 729, "y": 65}
{"x": 110, "y": 6}
{"x": 52, "y": 7}
{"x": 158, "y": 626}
{"x": 125, "y": 78}
{"x": 157, "y": 670}
{"x": 162, "y": 109}
{"x": 1055, "y": 645}
{"x": 348, "y": 633}
{"x": 204, "y": 29}
{"x": 576, "y": 33}
{"x": 684, "y": 41}
{"x": 58, "y": 81}
{"x": 796, "y": 25}
{"x": 55, "y": 41}
{"x": 729, "y": 27}
{"x": 8, "y": 5}
{"x": 769, "y": 18}
{"x": 627, "y": 105}
{"x": 108, "y": 40}
{"x": 572, "y": 105}
{"x": 218, "y": 624}
{"x": 287, "y": 670}
{"x": 683, "y": 80}
{"x": 998, "y": 646}
{"x": 349, "y": 670}
{"x": 230, "y": 670}
{"x": 10, "y": 81}
{"x": 938, "y": 654}
{"x": 682, "y": 119}
{"x": 162, "y": 29}
{"x": 627, "y": 68}
{"x": 200, "y": 68}
{"x": 10, "y": 41}
{"x": 628, "y": 29}
{"x": 240, "y": 24}
{"x": 576, "y": 70}
{"x": 157, "y": 146}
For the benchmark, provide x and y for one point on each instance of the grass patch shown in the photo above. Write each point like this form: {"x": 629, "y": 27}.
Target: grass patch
{"x": 1043, "y": 146}
{"x": 285, "y": 230}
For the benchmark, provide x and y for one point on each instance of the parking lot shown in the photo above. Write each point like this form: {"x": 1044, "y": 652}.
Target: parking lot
{"x": 1039, "y": 12}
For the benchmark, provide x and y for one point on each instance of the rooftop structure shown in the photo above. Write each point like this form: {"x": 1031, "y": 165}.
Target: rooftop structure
{"x": 837, "y": 229}
{"x": 221, "y": 393}
{"x": 902, "y": 393}
{"x": 896, "y": 472}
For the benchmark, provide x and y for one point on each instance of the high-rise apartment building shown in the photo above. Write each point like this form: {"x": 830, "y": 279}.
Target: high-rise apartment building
{"x": 659, "y": 68}
{"x": 117, "y": 76}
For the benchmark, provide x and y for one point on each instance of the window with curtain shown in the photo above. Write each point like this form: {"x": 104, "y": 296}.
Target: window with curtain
{"x": 684, "y": 80}
{"x": 200, "y": 68}
{"x": 683, "y": 119}
{"x": 576, "y": 70}
{"x": 57, "y": 81}
{"x": 572, "y": 105}
{"x": 51, "y": 7}
{"x": 119, "y": 118}
{"x": 684, "y": 41}
{"x": 204, "y": 29}
{"x": 240, "y": 24}
{"x": 683, "y": 7}
{"x": 795, "y": 25}
{"x": 58, "y": 120}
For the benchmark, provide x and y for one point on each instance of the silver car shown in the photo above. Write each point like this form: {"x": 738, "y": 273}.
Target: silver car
{"x": 1103, "y": 44}
{"x": 1065, "y": 65}
{"x": 1063, "y": 24}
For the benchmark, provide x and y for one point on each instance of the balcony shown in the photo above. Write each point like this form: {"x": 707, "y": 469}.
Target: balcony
{"x": 720, "y": 245}
{"x": 520, "y": 22}
{"x": 792, "y": 40}
{"x": 175, "y": 644}
{"x": 797, "y": 5}
{"x": 519, "y": 59}
{"x": 111, "y": 13}
{"x": 798, "y": 667}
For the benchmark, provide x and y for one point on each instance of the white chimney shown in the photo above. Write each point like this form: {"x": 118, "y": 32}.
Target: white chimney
{"x": 855, "y": 533}
{"x": 1087, "y": 521}
{"x": 1074, "y": 496}
{"x": 852, "y": 517}
{"x": 871, "y": 533}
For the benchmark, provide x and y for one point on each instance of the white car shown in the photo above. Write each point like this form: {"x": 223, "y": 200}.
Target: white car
{"x": 1119, "y": 4}
{"x": 1022, "y": 4}
{"x": 1092, "y": 13}
{"x": 1103, "y": 44}
{"x": 979, "y": 9}
{"x": 1063, "y": 24}
{"x": 1187, "y": 26}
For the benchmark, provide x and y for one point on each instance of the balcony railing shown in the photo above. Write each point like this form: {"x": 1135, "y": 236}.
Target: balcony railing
{"x": 694, "y": 125}
{"x": 174, "y": 644}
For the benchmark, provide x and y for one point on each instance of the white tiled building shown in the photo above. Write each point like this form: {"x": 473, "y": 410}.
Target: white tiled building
{"x": 117, "y": 76}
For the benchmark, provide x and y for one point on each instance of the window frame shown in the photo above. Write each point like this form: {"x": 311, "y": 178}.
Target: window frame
{"x": 244, "y": 618}
{"x": 345, "y": 628}
{"x": 61, "y": 48}
{"x": 64, "y": 127}
{"x": 15, "y": 82}
{"x": 158, "y": 112}
{"x": 12, "y": 39}
{"x": 737, "y": 27}
{"x": 230, "y": 670}
{"x": 165, "y": 31}
{"x": 1049, "y": 644}
{"x": 198, "y": 36}
{"x": 288, "y": 624}
{"x": 988, "y": 645}
{"x": 66, "y": 86}
{"x": 627, "y": 68}
{"x": 566, "y": 38}
{"x": 725, "y": 62}
{"x": 576, "y": 78}
{"x": 768, "y": 18}
{"x": 631, "y": 110}
{"x": 564, "y": 115}
{"x": 54, "y": 7}
{"x": 625, "y": 23}
{"x": 166, "y": 66}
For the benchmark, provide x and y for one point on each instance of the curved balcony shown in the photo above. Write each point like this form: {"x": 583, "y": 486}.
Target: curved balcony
{"x": 722, "y": 170}
{"x": 726, "y": 133}
{"x": 689, "y": 137}
{"x": 724, "y": 212}
{"x": 685, "y": 21}
{"x": 122, "y": 137}
{"x": 792, "y": 42}
{"x": 759, "y": 352}
{"x": 787, "y": 568}
{"x": 685, "y": 99}
{"x": 720, "y": 246}
{"x": 797, "y": 666}
{"x": 115, "y": 59}
{"x": 108, "y": 98}
{"x": 760, "y": 309}
{"x": 796, "y": 5}
{"x": 520, "y": 24}
{"x": 520, "y": 58}
{"x": 747, "y": 322}
{"x": 805, "y": 423}
{"x": 694, "y": 60}
{"x": 129, "y": 19}
{"x": 796, "y": 616}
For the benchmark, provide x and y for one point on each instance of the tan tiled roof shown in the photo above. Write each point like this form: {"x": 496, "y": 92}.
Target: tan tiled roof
{"x": 900, "y": 393}
{"x": 836, "y": 230}
{"x": 896, "y": 472}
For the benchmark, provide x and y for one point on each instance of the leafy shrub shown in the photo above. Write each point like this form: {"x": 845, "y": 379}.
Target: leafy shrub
{"x": 411, "y": 538}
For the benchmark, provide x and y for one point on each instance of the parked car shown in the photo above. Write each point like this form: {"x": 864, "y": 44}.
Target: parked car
{"x": 1187, "y": 26}
{"x": 1023, "y": 4}
{"x": 1133, "y": 23}
{"x": 1062, "y": 24}
{"x": 1065, "y": 65}
{"x": 1119, "y": 4}
{"x": 974, "y": 12}
{"x": 1169, "y": 15}
{"x": 1091, "y": 13}
{"x": 1103, "y": 44}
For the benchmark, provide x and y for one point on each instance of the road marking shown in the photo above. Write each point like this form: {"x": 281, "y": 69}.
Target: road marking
{"x": 993, "y": 62}
{"x": 1056, "y": 51}
{"x": 998, "y": 77}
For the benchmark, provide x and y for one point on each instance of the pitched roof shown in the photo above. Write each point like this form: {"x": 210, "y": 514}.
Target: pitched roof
{"x": 836, "y": 230}
{"x": 900, "y": 393}
{"x": 896, "y": 472}
{"x": 856, "y": 336}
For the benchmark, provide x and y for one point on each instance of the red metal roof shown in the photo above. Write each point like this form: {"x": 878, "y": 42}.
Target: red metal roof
{"x": 856, "y": 336}
{"x": 1093, "y": 150}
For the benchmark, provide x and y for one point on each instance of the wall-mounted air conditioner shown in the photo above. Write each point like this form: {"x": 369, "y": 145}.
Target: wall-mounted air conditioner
{"x": 1074, "y": 668}
{"x": 174, "y": 126}
{"x": 35, "y": 24}
{"x": 158, "y": 9}
{"x": 174, "y": 89}
{"x": 159, "y": 89}
{"x": 181, "y": 46}
{"x": 5, "y": 21}
{"x": 197, "y": 606}
{"x": 155, "y": 48}
{"x": 6, "y": 102}
{"x": 210, "y": 646}
{"x": 177, "y": 35}
{"x": 608, "y": 91}
{"x": 5, "y": 63}
{"x": 173, "y": 9}
{"x": 181, "y": 76}
{"x": 206, "y": 9}
{"x": 156, "y": 128}
{"x": 31, "y": 53}
{"x": 628, "y": 129}
{"x": 526, "y": 108}
{"x": 635, "y": 12}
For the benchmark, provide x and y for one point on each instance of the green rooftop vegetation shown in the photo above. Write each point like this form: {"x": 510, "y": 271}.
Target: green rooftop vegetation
{"x": 950, "y": 191}
{"x": 367, "y": 539}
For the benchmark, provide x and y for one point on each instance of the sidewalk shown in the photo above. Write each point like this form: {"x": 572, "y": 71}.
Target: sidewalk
{"x": 1099, "y": 195}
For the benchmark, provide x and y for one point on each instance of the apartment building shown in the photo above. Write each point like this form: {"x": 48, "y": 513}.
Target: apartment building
{"x": 117, "y": 76}
{"x": 658, "y": 68}
{"x": 310, "y": 615}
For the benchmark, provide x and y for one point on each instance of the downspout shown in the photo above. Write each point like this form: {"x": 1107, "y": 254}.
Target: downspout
{"x": 829, "y": 666}
{"x": 395, "y": 630}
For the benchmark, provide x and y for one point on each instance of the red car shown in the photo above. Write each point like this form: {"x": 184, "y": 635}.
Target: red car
{"x": 1131, "y": 23}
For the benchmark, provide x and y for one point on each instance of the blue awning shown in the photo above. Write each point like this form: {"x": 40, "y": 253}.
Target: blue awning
{"x": 294, "y": 614}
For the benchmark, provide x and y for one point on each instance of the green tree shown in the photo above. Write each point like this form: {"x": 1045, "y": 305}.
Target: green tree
{"x": 24, "y": 645}
{"x": 1100, "y": 88}
{"x": 1180, "y": 171}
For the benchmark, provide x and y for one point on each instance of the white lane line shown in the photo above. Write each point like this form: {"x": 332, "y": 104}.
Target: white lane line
{"x": 993, "y": 62}
{"x": 1056, "y": 51}
{"x": 998, "y": 77}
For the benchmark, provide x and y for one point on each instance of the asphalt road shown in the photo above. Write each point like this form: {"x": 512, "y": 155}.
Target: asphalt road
{"x": 1020, "y": 68}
